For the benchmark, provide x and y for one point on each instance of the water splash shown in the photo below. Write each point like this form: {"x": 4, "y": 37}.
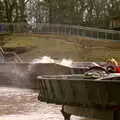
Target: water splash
{"x": 48, "y": 59}
{"x": 17, "y": 76}
{"x": 65, "y": 62}
{"x": 18, "y": 72}
{"x": 44, "y": 59}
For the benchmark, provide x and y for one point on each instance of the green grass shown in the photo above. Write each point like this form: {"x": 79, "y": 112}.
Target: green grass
{"x": 75, "y": 48}
{"x": 42, "y": 46}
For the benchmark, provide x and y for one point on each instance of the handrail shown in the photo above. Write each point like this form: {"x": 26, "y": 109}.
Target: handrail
{"x": 1, "y": 49}
{"x": 16, "y": 56}
{"x": 13, "y": 53}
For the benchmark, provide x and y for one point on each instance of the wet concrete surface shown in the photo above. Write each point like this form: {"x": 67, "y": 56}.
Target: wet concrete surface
{"x": 22, "y": 104}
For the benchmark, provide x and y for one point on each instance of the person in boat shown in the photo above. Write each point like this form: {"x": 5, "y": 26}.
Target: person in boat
{"x": 113, "y": 66}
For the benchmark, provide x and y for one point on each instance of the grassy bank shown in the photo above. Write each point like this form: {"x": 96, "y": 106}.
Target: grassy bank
{"x": 72, "y": 47}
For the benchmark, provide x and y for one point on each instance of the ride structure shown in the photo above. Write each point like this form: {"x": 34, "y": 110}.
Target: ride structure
{"x": 92, "y": 94}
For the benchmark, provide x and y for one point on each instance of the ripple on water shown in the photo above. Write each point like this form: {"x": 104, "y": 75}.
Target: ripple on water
{"x": 22, "y": 104}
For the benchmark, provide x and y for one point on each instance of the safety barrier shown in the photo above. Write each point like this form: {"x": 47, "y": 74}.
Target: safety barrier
{"x": 60, "y": 29}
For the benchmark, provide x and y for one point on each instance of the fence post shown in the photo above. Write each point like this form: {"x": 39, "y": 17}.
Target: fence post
{"x": 105, "y": 35}
{"x": 112, "y": 36}
{"x": 98, "y": 35}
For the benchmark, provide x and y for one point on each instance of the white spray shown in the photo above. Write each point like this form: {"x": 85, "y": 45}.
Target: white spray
{"x": 44, "y": 59}
{"x": 48, "y": 59}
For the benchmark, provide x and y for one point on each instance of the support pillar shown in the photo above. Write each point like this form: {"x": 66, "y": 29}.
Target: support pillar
{"x": 66, "y": 115}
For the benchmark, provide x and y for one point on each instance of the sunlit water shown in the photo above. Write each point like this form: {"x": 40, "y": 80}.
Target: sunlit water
{"x": 22, "y": 104}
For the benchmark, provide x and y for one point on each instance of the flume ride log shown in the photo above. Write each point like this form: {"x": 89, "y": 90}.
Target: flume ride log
{"x": 93, "y": 97}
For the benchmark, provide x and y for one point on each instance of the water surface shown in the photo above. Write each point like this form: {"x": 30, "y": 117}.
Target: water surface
{"x": 22, "y": 104}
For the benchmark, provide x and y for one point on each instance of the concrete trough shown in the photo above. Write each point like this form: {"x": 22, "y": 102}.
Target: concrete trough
{"x": 92, "y": 98}
{"x": 78, "y": 91}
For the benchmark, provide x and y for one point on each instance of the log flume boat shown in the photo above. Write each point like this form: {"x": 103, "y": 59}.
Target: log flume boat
{"x": 92, "y": 94}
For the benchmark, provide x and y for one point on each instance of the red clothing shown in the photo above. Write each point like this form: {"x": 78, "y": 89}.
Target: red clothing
{"x": 117, "y": 69}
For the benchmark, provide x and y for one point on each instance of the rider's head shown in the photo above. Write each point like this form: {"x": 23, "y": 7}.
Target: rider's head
{"x": 112, "y": 62}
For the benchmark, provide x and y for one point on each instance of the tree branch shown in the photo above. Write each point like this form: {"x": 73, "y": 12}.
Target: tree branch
{"x": 27, "y": 1}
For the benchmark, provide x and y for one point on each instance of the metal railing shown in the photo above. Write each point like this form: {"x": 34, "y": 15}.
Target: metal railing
{"x": 62, "y": 30}
{"x": 9, "y": 56}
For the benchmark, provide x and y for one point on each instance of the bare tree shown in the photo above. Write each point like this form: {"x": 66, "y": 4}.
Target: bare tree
{"x": 94, "y": 13}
